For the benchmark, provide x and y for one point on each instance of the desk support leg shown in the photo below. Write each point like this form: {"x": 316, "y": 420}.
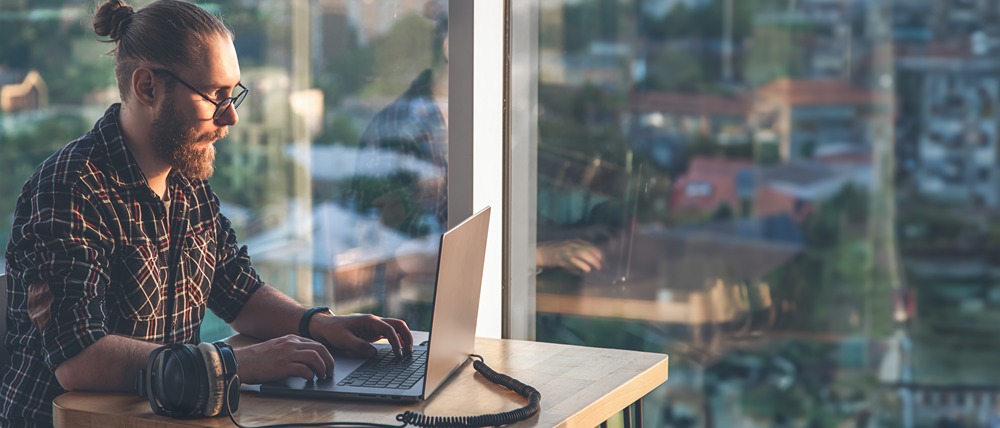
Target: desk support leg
{"x": 634, "y": 410}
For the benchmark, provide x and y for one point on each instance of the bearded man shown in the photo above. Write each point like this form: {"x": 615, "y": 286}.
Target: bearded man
{"x": 118, "y": 245}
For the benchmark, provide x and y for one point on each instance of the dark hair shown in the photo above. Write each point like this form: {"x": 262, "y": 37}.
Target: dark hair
{"x": 164, "y": 33}
{"x": 437, "y": 11}
{"x": 439, "y": 35}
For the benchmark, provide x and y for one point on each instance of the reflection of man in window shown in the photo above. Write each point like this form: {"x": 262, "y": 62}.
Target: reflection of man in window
{"x": 414, "y": 125}
{"x": 401, "y": 181}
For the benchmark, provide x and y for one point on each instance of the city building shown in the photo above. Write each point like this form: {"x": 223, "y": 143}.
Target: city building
{"x": 801, "y": 116}
{"x": 796, "y": 188}
{"x": 956, "y": 122}
{"x": 22, "y": 91}
{"x": 714, "y": 184}
{"x": 719, "y": 117}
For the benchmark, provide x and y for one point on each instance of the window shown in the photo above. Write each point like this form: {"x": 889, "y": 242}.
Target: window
{"x": 774, "y": 300}
{"x": 696, "y": 189}
{"x": 336, "y": 177}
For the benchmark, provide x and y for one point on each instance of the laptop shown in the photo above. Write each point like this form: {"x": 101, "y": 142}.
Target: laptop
{"x": 451, "y": 340}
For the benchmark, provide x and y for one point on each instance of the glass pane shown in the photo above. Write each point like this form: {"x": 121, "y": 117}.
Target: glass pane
{"x": 344, "y": 169}
{"x": 794, "y": 199}
{"x": 335, "y": 176}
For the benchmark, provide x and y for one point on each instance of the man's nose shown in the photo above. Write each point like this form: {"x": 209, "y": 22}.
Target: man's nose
{"x": 229, "y": 118}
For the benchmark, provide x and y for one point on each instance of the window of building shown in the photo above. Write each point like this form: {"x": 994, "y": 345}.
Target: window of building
{"x": 782, "y": 287}
{"x": 698, "y": 189}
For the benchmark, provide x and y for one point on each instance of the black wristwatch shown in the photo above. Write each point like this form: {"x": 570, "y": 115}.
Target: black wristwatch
{"x": 304, "y": 322}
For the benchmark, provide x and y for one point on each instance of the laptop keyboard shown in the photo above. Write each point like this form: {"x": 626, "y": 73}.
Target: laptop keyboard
{"x": 388, "y": 371}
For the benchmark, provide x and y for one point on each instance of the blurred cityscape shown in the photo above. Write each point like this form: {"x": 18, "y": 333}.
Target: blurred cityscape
{"x": 795, "y": 199}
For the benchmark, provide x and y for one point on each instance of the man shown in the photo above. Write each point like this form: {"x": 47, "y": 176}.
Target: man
{"x": 118, "y": 245}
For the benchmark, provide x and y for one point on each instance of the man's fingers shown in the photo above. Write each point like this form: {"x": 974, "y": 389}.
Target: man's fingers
{"x": 301, "y": 370}
{"x": 592, "y": 257}
{"x": 389, "y": 333}
{"x": 312, "y": 359}
{"x": 403, "y": 332}
{"x": 320, "y": 349}
{"x": 584, "y": 256}
{"x": 580, "y": 265}
{"x": 325, "y": 355}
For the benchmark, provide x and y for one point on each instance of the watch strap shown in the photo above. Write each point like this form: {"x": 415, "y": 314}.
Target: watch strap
{"x": 304, "y": 322}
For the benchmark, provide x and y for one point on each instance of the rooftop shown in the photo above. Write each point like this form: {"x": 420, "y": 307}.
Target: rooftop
{"x": 690, "y": 104}
{"x": 816, "y": 92}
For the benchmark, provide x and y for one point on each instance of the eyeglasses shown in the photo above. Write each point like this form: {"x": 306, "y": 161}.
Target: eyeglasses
{"x": 221, "y": 107}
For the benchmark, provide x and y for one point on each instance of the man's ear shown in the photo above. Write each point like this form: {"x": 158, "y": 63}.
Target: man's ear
{"x": 143, "y": 88}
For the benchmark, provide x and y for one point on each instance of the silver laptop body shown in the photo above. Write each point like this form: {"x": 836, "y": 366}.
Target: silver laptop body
{"x": 452, "y": 330}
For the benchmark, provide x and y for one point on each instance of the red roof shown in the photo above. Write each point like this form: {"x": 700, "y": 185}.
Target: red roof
{"x": 690, "y": 104}
{"x": 770, "y": 201}
{"x": 715, "y": 180}
{"x": 816, "y": 92}
{"x": 943, "y": 49}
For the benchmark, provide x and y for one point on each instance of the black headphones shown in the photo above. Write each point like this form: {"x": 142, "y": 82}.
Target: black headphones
{"x": 183, "y": 380}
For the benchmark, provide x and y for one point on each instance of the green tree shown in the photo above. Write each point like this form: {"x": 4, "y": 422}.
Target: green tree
{"x": 673, "y": 70}
{"x": 340, "y": 130}
{"x": 773, "y": 53}
{"x": 347, "y": 70}
{"x": 701, "y": 21}
{"x": 400, "y": 55}
{"x": 830, "y": 279}
{"x": 591, "y": 21}
{"x": 581, "y": 121}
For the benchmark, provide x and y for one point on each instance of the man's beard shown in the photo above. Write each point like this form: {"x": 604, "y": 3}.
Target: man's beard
{"x": 175, "y": 144}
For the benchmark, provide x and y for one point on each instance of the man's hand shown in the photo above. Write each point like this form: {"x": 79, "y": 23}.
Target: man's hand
{"x": 284, "y": 357}
{"x": 577, "y": 256}
{"x": 355, "y": 333}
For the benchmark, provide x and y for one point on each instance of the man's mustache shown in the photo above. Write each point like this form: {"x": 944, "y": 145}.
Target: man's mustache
{"x": 217, "y": 135}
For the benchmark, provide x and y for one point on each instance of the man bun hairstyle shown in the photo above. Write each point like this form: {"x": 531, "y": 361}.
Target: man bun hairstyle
{"x": 165, "y": 33}
{"x": 111, "y": 19}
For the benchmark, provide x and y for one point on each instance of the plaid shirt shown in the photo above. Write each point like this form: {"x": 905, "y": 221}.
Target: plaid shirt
{"x": 89, "y": 226}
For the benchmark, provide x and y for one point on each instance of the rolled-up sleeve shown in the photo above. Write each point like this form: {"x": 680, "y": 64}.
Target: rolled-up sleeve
{"x": 59, "y": 239}
{"x": 235, "y": 278}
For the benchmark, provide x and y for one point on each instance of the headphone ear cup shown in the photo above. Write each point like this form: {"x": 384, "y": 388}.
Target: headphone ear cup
{"x": 154, "y": 388}
{"x": 197, "y": 380}
{"x": 186, "y": 384}
{"x": 170, "y": 382}
{"x": 231, "y": 378}
{"x": 216, "y": 383}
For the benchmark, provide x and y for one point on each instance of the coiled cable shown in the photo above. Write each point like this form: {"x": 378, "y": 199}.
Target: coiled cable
{"x": 496, "y": 419}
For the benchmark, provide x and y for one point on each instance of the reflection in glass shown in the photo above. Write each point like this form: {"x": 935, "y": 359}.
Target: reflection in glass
{"x": 301, "y": 173}
{"x": 791, "y": 198}
{"x": 350, "y": 155}
{"x": 400, "y": 182}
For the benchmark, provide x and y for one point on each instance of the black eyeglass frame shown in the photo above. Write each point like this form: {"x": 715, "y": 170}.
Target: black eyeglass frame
{"x": 221, "y": 107}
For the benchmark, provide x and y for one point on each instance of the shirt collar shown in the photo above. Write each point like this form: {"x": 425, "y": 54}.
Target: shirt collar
{"x": 125, "y": 170}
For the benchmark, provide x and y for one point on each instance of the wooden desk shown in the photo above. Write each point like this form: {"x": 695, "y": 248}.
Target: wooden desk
{"x": 580, "y": 387}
